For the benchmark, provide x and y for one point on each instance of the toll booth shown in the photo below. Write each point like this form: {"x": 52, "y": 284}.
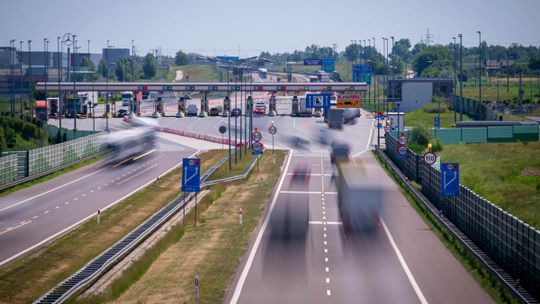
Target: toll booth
{"x": 295, "y": 106}
{"x": 226, "y": 106}
{"x": 272, "y": 106}
{"x": 204, "y": 105}
{"x": 181, "y": 108}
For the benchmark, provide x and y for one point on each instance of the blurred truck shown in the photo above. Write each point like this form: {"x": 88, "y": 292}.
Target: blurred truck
{"x": 359, "y": 197}
{"x": 334, "y": 118}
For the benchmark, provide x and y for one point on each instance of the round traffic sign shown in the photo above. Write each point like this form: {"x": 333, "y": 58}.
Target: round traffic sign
{"x": 429, "y": 158}
{"x": 272, "y": 130}
{"x": 257, "y": 146}
{"x": 403, "y": 140}
{"x": 256, "y": 136}
{"x": 387, "y": 128}
{"x": 402, "y": 150}
{"x": 222, "y": 129}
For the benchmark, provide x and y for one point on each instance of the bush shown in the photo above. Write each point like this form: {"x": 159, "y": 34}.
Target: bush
{"x": 437, "y": 146}
{"x": 3, "y": 143}
{"x": 29, "y": 131}
{"x": 421, "y": 135}
{"x": 434, "y": 107}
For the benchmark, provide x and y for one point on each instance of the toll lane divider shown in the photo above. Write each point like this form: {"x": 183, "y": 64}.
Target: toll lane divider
{"x": 112, "y": 255}
{"x": 205, "y": 137}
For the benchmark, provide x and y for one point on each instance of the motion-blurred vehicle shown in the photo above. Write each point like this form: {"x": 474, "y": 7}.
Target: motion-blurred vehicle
{"x": 350, "y": 115}
{"x": 236, "y": 112}
{"x": 127, "y": 98}
{"x": 301, "y": 174}
{"x": 121, "y": 113}
{"x": 187, "y": 97}
{"x": 299, "y": 142}
{"x": 359, "y": 198}
{"x": 340, "y": 151}
{"x": 324, "y": 136}
{"x": 192, "y": 110}
{"x": 138, "y": 139}
{"x": 334, "y": 118}
{"x": 260, "y": 108}
{"x": 214, "y": 112}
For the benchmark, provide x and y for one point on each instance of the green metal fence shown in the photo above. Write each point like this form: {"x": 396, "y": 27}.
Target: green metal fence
{"x": 25, "y": 165}
{"x": 511, "y": 243}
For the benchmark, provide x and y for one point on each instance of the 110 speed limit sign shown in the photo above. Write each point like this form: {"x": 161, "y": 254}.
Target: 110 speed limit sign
{"x": 429, "y": 158}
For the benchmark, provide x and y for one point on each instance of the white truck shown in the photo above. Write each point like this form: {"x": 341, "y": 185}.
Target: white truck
{"x": 127, "y": 98}
{"x": 359, "y": 197}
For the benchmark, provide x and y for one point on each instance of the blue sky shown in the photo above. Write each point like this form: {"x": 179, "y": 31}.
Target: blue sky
{"x": 221, "y": 27}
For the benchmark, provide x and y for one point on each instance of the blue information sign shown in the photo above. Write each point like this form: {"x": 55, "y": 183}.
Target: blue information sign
{"x": 449, "y": 179}
{"x": 327, "y": 65}
{"x": 229, "y": 58}
{"x": 437, "y": 122}
{"x": 361, "y": 73}
{"x": 312, "y": 61}
{"x": 191, "y": 175}
{"x": 317, "y": 101}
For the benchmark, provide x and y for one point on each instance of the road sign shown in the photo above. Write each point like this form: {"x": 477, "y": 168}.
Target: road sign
{"x": 272, "y": 130}
{"x": 191, "y": 175}
{"x": 437, "y": 122}
{"x": 142, "y": 88}
{"x": 327, "y": 65}
{"x": 348, "y": 100}
{"x": 317, "y": 101}
{"x": 387, "y": 129}
{"x": 167, "y": 88}
{"x": 402, "y": 151}
{"x": 256, "y": 136}
{"x": 403, "y": 140}
{"x": 449, "y": 179}
{"x": 257, "y": 148}
{"x": 312, "y": 61}
{"x": 228, "y": 58}
{"x": 222, "y": 129}
{"x": 361, "y": 73}
{"x": 429, "y": 158}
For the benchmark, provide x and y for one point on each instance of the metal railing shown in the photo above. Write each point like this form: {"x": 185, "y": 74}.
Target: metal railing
{"x": 508, "y": 247}
{"x": 93, "y": 269}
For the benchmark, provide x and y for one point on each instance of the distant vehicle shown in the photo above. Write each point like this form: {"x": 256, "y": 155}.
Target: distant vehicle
{"x": 299, "y": 142}
{"x": 303, "y": 111}
{"x": 41, "y": 110}
{"x": 260, "y": 108}
{"x": 340, "y": 151}
{"x": 263, "y": 73}
{"x": 53, "y": 106}
{"x": 76, "y": 107}
{"x": 121, "y": 113}
{"x": 334, "y": 118}
{"x": 301, "y": 174}
{"x": 322, "y": 76}
{"x": 358, "y": 199}
{"x": 325, "y": 137}
{"x": 131, "y": 142}
{"x": 187, "y": 97}
{"x": 313, "y": 79}
{"x": 192, "y": 110}
{"x": 236, "y": 112}
{"x": 350, "y": 115}
{"x": 127, "y": 98}
{"x": 214, "y": 112}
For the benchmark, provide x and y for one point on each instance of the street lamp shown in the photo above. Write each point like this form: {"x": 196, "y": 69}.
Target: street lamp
{"x": 11, "y": 69}
{"x": 460, "y": 77}
{"x": 454, "y": 78}
{"x": 45, "y": 57}
{"x": 479, "y": 66}
{"x": 31, "y": 74}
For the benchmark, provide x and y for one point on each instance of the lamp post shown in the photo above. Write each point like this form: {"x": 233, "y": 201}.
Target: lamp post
{"x": 11, "y": 69}
{"x": 107, "y": 86}
{"x": 45, "y": 57}
{"x": 454, "y": 78}
{"x": 392, "y": 73}
{"x": 479, "y": 66}
{"x": 21, "y": 77}
{"x": 460, "y": 77}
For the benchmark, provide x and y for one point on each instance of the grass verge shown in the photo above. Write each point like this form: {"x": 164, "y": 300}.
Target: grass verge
{"x": 422, "y": 117}
{"x": 27, "y": 278}
{"x": 507, "y": 174}
{"x": 212, "y": 249}
{"x": 489, "y": 282}
{"x": 196, "y": 73}
{"x": 48, "y": 177}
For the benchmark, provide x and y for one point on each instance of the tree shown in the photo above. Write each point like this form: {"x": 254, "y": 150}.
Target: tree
{"x": 437, "y": 56}
{"x": 149, "y": 66}
{"x": 402, "y": 50}
{"x": 534, "y": 63}
{"x": 123, "y": 69}
{"x": 352, "y": 52}
{"x": 86, "y": 62}
{"x": 103, "y": 67}
{"x": 181, "y": 58}
{"x": 3, "y": 143}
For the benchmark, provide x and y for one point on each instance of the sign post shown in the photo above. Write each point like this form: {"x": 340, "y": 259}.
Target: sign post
{"x": 191, "y": 178}
{"x": 196, "y": 283}
{"x": 222, "y": 130}
{"x": 272, "y": 130}
{"x": 449, "y": 179}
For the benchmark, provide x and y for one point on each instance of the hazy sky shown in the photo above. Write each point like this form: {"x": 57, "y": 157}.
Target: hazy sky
{"x": 220, "y": 27}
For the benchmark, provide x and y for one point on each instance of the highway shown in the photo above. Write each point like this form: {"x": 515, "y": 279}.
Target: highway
{"x": 38, "y": 214}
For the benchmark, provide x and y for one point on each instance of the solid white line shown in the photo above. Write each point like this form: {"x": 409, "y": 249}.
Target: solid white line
{"x": 144, "y": 154}
{"x": 408, "y": 272}
{"x": 51, "y": 190}
{"x": 328, "y": 280}
{"x": 35, "y": 217}
{"x": 92, "y": 215}
{"x": 371, "y": 131}
{"x": 321, "y": 223}
{"x": 251, "y": 256}
{"x": 306, "y": 192}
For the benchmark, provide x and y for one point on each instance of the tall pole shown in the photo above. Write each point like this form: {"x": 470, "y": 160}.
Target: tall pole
{"x": 454, "y": 78}
{"x": 107, "y": 86}
{"x": 132, "y": 63}
{"x": 75, "y": 104}
{"x": 367, "y": 58}
{"x": 59, "y": 75}
{"x": 45, "y": 57}
{"x": 392, "y": 74}
{"x": 11, "y": 70}
{"x": 460, "y": 77}
{"x": 479, "y": 66}
{"x": 31, "y": 74}
{"x": 507, "y": 74}
{"x": 229, "y": 114}
{"x": 21, "y": 77}
{"x": 236, "y": 116}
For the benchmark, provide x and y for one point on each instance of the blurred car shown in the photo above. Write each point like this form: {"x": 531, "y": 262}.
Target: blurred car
{"x": 192, "y": 110}
{"x": 340, "y": 151}
{"x": 214, "y": 112}
{"x": 236, "y": 112}
{"x": 301, "y": 174}
{"x": 121, "y": 113}
{"x": 187, "y": 97}
{"x": 324, "y": 137}
{"x": 299, "y": 142}
{"x": 350, "y": 116}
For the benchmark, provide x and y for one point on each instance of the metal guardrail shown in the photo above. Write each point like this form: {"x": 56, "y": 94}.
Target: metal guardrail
{"x": 232, "y": 178}
{"x": 523, "y": 295}
{"x": 93, "y": 269}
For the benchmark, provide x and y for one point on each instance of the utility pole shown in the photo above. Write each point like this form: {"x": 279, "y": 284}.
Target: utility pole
{"x": 454, "y": 78}
{"x": 31, "y": 74}
{"x": 45, "y": 64}
{"x": 460, "y": 77}
{"x": 21, "y": 76}
{"x": 479, "y": 66}
{"x": 11, "y": 70}
{"x": 507, "y": 74}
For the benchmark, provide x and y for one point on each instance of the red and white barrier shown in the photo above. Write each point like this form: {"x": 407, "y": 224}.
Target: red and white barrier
{"x": 205, "y": 137}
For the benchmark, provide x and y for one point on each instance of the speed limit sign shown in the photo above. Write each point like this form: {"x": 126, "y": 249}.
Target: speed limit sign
{"x": 387, "y": 128}
{"x": 429, "y": 158}
{"x": 403, "y": 140}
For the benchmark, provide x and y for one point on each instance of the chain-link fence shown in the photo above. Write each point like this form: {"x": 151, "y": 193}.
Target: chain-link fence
{"x": 510, "y": 242}
{"x": 22, "y": 166}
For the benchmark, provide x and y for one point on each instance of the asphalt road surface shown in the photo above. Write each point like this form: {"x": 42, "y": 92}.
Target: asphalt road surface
{"x": 35, "y": 215}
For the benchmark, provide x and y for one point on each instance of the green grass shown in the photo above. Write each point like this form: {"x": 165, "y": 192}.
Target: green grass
{"x": 48, "y": 177}
{"x": 421, "y": 117}
{"x": 197, "y": 73}
{"x": 489, "y": 89}
{"x": 489, "y": 282}
{"x": 507, "y": 174}
{"x": 27, "y": 278}
{"x": 219, "y": 256}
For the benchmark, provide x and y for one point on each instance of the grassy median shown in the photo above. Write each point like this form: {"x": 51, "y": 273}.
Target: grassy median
{"x": 212, "y": 250}
{"x": 26, "y": 279}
